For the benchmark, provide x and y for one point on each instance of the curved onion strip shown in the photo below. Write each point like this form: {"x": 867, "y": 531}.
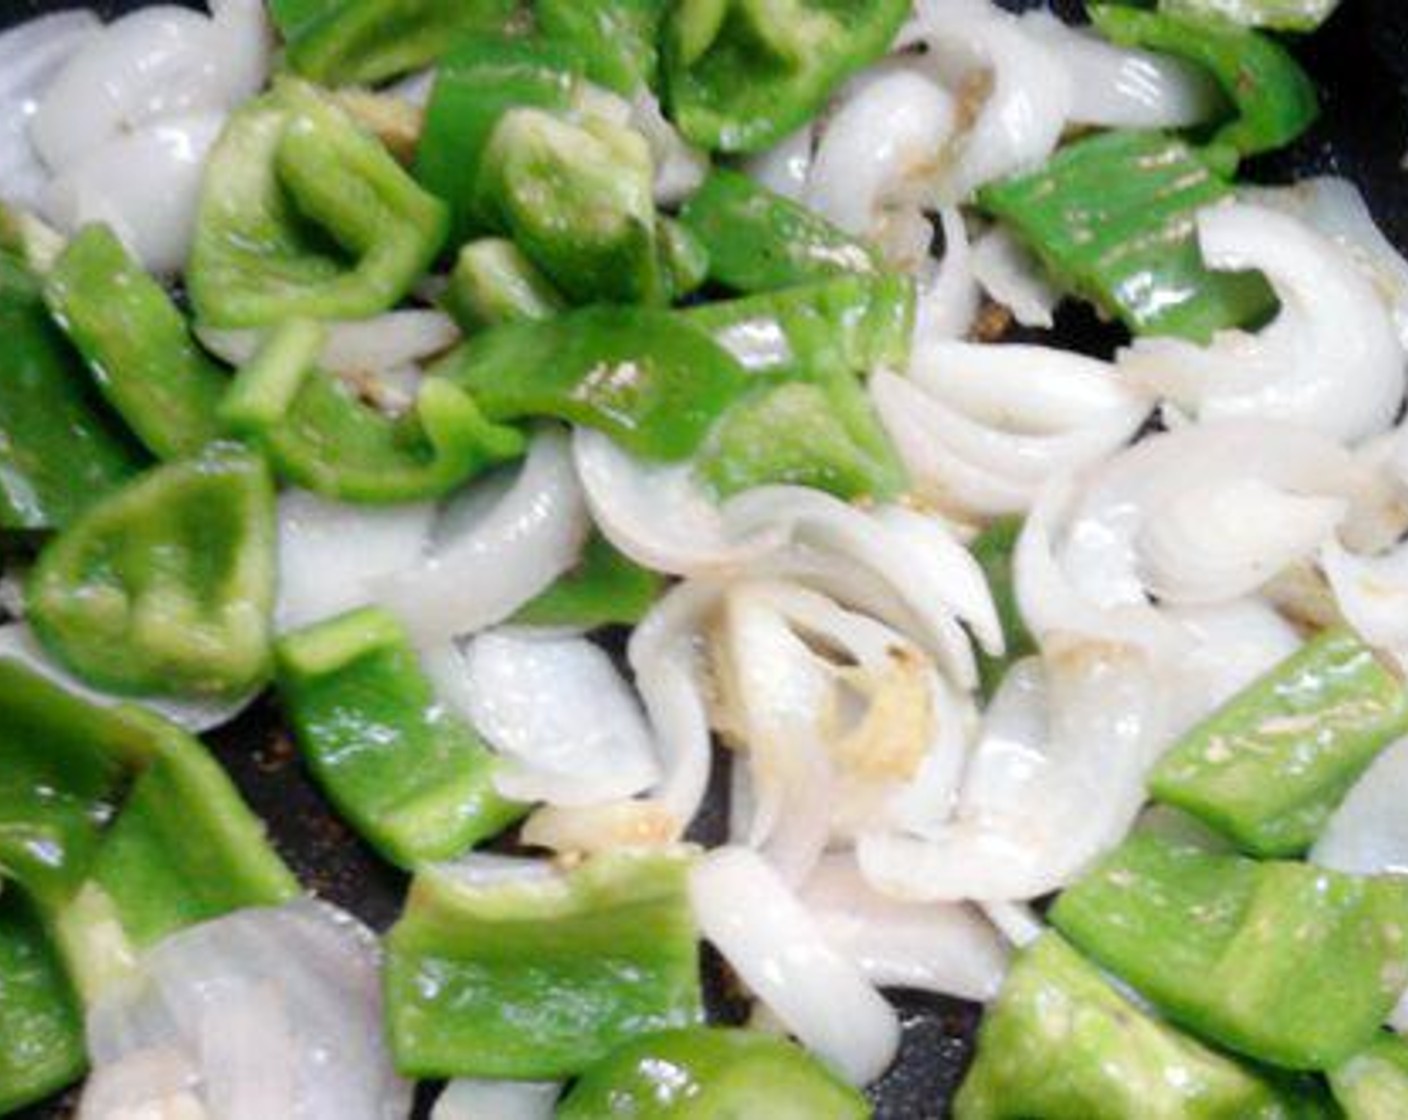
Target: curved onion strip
{"x": 770, "y": 941}
{"x": 934, "y": 947}
{"x": 948, "y": 296}
{"x": 276, "y": 1009}
{"x": 1372, "y": 593}
{"x": 19, "y": 644}
{"x": 1331, "y": 359}
{"x": 785, "y": 167}
{"x": 589, "y": 829}
{"x": 1368, "y": 833}
{"x": 1016, "y": 921}
{"x": 558, "y": 713}
{"x": 497, "y": 1100}
{"x": 354, "y": 346}
{"x": 679, "y": 168}
{"x": 1011, "y": 275}
{"x": 484, "y": 571}
{"x": 1038, "y": 803}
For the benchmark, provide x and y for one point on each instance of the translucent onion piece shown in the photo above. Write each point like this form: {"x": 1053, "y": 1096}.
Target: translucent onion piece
{"x": 1056, "y": 780}
{"x": 1372, "y": 593}
{"x": 1013, "y": 277}
{"x": 276, "y": 1011}
{"x": 331, "y": 554}
{"x": 1016, "y": 921}
{"x": 489, "y": 562}
{"x": 1368, "y": 833}
{"x": 497, "y": 1100}
{"x": 948, "y": 295}
{"x": 389, "y": 341}
{"x": 1331, "y": 359}
{"x": 780, "y": 953}
{"x": 590, "y": 829}
{"x": 679, "y": 168}
{"x": 160, "y": 1083}
{"x": 785, "y": 168}
{"x": 567, "y": 726}
{"x": 934, "y": 946}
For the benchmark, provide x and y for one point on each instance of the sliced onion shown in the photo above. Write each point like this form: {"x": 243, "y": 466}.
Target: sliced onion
{"x": 777, "y": 949}
{"x": 948, "y": 296}
{"x": 567, "y": 726}
{"x": 1331, "y": 359}
{"x": 935, "y": 947}
{"x": 492, "y": 561}
{"x": 1011, "y": 275}
{"x": 785, "y": 168}
{"x": 579, "y": 830}
{"x": 354, "y": 346}
{"x": 1016, "y": 921}
{"x": 161, "y": 1082}
{"x": 1368, "y": 833}
{"x": 679, "y": 168}
{"x": 1372, "y": 593}
{"x": 497, "y": 1100}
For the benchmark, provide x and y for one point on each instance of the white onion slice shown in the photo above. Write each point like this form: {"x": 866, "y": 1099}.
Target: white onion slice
{"x": 776, "y": 948}
{"x": 483, "y": 571}
{"x": 935, "y": 947}
{"x": 1372, "y": 593}
{"x": 497, "y": 1100}
{"x": 1016, "y": 921}
{"x": 679, "y": 167}
{"x": 567, "y": 726}
{"x": 1011, "y": 275}
{"x": 948, "y": 295}
{"x": 785, "y": 167}
{"x": 1331, "y": 359}
{"x": 354, "y": 346}
{"x": 160, "y": 1082}
{"x": 1368, "y": 833}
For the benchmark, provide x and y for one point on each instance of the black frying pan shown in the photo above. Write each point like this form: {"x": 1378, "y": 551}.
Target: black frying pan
{"x": 1360, "y": 60}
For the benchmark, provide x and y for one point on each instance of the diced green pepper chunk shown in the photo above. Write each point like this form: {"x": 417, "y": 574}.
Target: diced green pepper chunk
{"x": 616, "y": 38}
{"x": 347, "y": 42}
{"x": 1283, "y": 962}
{"x": 1373, "y": 1085}
{"x": 1282, "y": 15}
{"x": 1062, "y": 1044}
{"x": 1113, "y": 219}
{"x": 741, "y": 74}
{"x": 410, "y": 776}
{"x": 604, "y": 589}
{"x": 704, "y": 1073}
{"x": 136, "y": 343}
{"x": 165, "y": 587}
{"x": 758, "y": 240}
{"x": 683, "y": 257}
{"x": 1268, "y": 768}
{"x": 41, "y": 1030}
{"x": 993, "y": 550}
{"x": 60, "y": 447}
{"x": 539, "y": 977}
{"x": 304, "y": 214}
{"x": 493, "y": 282}
{"x": 645, "y": 377}
{"x": 1274, "y": 98}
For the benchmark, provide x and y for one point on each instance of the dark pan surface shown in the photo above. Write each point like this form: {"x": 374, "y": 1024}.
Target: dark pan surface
{"x": 1360, "y": 60}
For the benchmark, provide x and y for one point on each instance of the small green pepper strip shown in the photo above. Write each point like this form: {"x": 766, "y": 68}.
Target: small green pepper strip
{"x": 476, "y": 84}
{"x": 493, "y": 282}
{"x": 1268, "y": 768}
{"x": 540, "y": 977}
{"x": 758, "y": 241}
{"x": 412, "y": 778}
{"x": 993, "y": 550}
{"x": 604, "y": 589}
{"x": 1113, "y": 219}
{"x": 1274, "y": 98}
{"x": 136, "y": 343}
{"x": 41, "y": 1030}
{"x": 684, "y": 258}
{"x": 304, "y": 214}
{"x": 1283, "y": 962}
{"x": 741, "y": 74}
{"x": 1062, "y": 1042}
{"x": 616, "y": 38}
{"x": 699, "y": 1072}
{"x": 645, "y": 377}
{"x": 60, "y": 447}
{"x": 166, "y": 587}
{"x": 363, "y": 42}
{"x": 1373, "y": 1085}
{"x": 1280, "y": 15}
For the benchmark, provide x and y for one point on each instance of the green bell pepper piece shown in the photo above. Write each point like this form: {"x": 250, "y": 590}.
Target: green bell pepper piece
{"x": 1373, "y": 1085}
{"x": 136, "y": 343}
{"x": 60, "y": 448}
{"x": 993, "y": 550}
{"x": 1268, "y": 768}
{"x": 577, "y": 198}
{"x": 1113, "y": 219}
{"x": 616, "y": 38}
{"x": 1281, "y": 15}
{"x": 703, "y": 1073}
{"x": 493, "y": 282}
{"x": 645, "y": 377}
{"x": 742, "y": 74}
{"x": 165, "y": 587}
{"x": 1274, "y": 98}
{"x": 41, "y": 1030}
{"x": 604, "y": 589}
{"x": 684, "y": 258}
{"x": 1062, "y": 1044}
{"x": 304, "y": 214}
{"x": 362, "y": 42}
{"x": 1283, "y": 962}
{"x": 538, "y": 978}
{"x": 476, "y": 84}
{"x": 27, "y": 239}
{"x": 411, "y": 777}
{"x": 758, "y": 240}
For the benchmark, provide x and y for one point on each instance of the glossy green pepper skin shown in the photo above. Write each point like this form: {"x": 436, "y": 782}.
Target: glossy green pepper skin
{"x": 741, "y": 74}
{"x": 1270, "y": 766}
{"x": 493, "y": 282}
{"x": 537, "y": 978}
{"x": 1280, "y": 15}
{"x": 165, "y": 587}
{"x": 1283, "y": 962}
{"x": 60, "y": 447}
{"x": 411, "y": 777}
{"x": 616, "y": 38}
{"x": 1062, "y": 1044}
{"x": 302, "y": 214}
{"x": 703, "y": 1073}
{"x": 1113, "y": 219}
{"x": 1373, "y": 1085}
{"x": 605, "y": 588}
